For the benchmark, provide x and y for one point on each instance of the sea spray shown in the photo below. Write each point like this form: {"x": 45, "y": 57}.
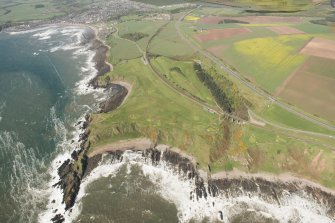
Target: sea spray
{"x": 175, "y": 185}
{"x": 24, "y": 167}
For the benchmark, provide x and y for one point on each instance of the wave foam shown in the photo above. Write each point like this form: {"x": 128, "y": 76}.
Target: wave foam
{"x": 178, "y": 189}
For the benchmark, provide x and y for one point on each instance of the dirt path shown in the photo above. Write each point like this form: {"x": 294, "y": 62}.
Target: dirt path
{"x": 123, "y": 145}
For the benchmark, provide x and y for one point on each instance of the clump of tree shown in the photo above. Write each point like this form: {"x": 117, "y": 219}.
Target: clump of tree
{"x": 224, "y": 91}
{"x": 232, "y": 21}
{"x": 176, "y": 69}
{"x": 38, "y": 6}
{"x": 136, "y": 36}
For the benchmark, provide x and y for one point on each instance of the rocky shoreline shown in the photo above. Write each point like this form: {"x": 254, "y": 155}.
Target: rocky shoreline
{"x": 271, "y": 190}
{"x": 73, "y": 171}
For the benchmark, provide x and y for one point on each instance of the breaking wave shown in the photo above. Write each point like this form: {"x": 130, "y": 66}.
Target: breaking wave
{"x": 27, "y": 174}
{"x": 178, "y": 189}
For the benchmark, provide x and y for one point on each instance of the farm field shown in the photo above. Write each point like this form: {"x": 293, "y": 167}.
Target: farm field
{"x": 279, "y": 116}
{"x": 162, "y": 2}
{"x": 321, "y": 48}
{"x": 147, "y": 27}
{"x": 269, "y": 5}
{"x": 28, "y": 10}
{"x": 312, "y": 88}
{"x": 285, "y": 56}
{"x": 167, "y": 43}
{"x": 267, "y": 61}
{"x": 121, "y": 50}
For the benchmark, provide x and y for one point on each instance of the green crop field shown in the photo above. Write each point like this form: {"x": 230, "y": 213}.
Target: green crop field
{"x": 162, "y": 2}
{"x": 269, "y": 5}
{"x": 267, "y": 61}
{"x": 122, "y": 49}
{"x": 285, "y": 118}
{"x": 168, "y": 43}
{"x": 28, "y": 10}
{"x": 144, "y": 26}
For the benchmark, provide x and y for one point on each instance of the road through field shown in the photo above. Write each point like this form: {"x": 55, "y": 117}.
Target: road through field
{"x": 244, "y": 81}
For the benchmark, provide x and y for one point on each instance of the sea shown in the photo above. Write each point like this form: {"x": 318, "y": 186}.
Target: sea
{"x": 44, "y": 94}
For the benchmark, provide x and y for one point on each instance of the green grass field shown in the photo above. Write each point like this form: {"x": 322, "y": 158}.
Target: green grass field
{"x": 278, "y": 153}
{"x": 282, "y": 117}
{"x": 121, "y": 50}
{"x": 162, "y": 2}
{"x": 267, "y": 61}
{"x": 168, "y": 43}
{"x": 144, "y": 26}
{"x": 182, "y": 74}
{"x": 26, "y": 10}
{"x": 154, "y": 111}
{"x": 269, "y": 5}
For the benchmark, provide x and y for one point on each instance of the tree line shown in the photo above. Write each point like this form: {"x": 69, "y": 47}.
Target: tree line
{"x": 225, "y": 102}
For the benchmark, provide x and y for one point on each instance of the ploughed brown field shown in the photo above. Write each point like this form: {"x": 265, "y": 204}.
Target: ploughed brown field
{"x": 285, "y": 30}
{"x": 218, "y": 34}
{"x": 217, "y": 50}
{"x": 320, "y": 48}
{"x": 311, "y": 87}
{"x": 251, "y": 19}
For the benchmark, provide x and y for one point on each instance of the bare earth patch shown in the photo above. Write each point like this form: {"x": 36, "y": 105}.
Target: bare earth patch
{"x": 285, "y": 30}
{"x": 217, "y": 50}
{"x": 217, "y": 34}
{"x": 318, "y": 164}
{"x": 311, "y": 91}
{"x": 210, "y": 20}
{"x": 131, "y": 144}
{"x": 321, "y": 48}
{"x": 251, "y": 19}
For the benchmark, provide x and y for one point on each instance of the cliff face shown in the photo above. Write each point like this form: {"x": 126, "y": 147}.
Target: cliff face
{"x": 117, "y": 94}
{"x": 269, "y": 190}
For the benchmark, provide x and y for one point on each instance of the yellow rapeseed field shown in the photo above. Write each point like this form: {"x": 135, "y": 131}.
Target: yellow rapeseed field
{"x": 192, "y": 18}
{"x": 270, "y": 51}
{"x": 271, "y": 59}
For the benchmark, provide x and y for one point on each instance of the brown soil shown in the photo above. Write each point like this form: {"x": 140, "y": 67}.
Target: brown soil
{"x": 312, "y": 92}
{"x": 318, "y": 164}
{"x": 321, "y": 48}
{"x": 285, "y": 30}
{"x": 131, "y": 144}
{"x": 217, "y": 34}
{"x": 217, "y": 50}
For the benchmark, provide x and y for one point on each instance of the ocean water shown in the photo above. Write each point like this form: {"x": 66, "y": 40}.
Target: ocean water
{"x": 42, "y": 95}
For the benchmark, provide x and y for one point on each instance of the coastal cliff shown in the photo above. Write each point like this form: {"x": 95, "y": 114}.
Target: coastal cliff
{"x": 73, "y": 172}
